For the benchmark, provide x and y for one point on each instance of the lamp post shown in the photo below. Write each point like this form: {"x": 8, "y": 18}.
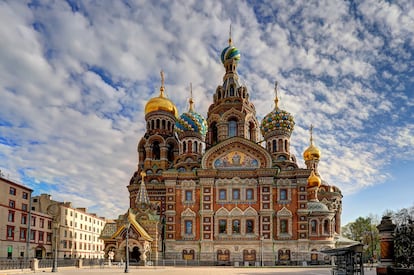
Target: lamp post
{"x": 261, "y": 250}
{"x": 127, "y": 250}
{"x": 55, "y": 227}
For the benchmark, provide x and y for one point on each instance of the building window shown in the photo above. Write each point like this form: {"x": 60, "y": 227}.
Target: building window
{"x": 10, "y": 232}
{"x": 12, "y": 191}
{"x": 313, "y": 227}
{"x": 222, "y": 194}
{"x": 326, "y": 227}
{"x": 24, "y": 219}
{"x": 274, "y": 149}
{"x": 249, "y": 226}
{"x": 188, "y": 195}
{"x": 33, "y": 221}
{"x": 12, "y": 204}
{"x": 42, "y": 223}
{"x": 249, "y": 194}
{"x": 283, "y": 226}
{"x": 24, "y": 207}
{"x": 236, "y": 226}
{"x": 283, "y": 194}
{"x": 32, "y": 235}
{"x": 236, "y": 194}
{"x": 41, "y": 234}
{"x": 232, "y": 128}
{"x": 11, "y": 216}
{"x": 25, "y": 195}
{"x": 188, "y": 227}
{"x": 222, "y": 226}
{"x": 23, "y": 233}
{"x": 49, "y": 224}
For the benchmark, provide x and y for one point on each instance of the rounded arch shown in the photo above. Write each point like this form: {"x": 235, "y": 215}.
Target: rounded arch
{"x": 232, "y": 113}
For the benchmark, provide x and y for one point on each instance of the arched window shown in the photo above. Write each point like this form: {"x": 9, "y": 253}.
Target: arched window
{"x": 286, "y": 146}
{"x": 184, "y": 147}
{"x": 252, "y": 131}
{"x": 152, "y": 124}
{"x": 158, "y": 124}
{"x": 170, "y": 154}
{"x": 214, "y": 133}
{"x": 163, "y": 124}
{"x": 169, "y": 126}
{"x": 274, "y": 148}
{"x": 156, "y": 153}
{"x": 326, "y": 227}
{"x": 195, "y": 147}
{"x": 232, "y": 127}
{"x": 314, "y": 227}
{"x": 236, "y": 226}
{"x": 190, "y": 146}
{"x": 280, "y": 145}
{"x": 231, "y": 90}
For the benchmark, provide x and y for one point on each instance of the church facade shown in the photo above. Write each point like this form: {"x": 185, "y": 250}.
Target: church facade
{"x": 226, "y": 188}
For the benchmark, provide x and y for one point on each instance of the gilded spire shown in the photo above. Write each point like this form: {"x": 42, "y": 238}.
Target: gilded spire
{"x": 230, "y": 42}
{"x": 191, "y": 109}
{"x": 276, "y": 97}
{"x": 142, "y": 196}
{"x": 162, "y": 88}
{"x": 311, "y": 134}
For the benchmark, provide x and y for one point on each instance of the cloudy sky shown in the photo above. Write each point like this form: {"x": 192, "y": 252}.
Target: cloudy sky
{"x": 75, "y": 77}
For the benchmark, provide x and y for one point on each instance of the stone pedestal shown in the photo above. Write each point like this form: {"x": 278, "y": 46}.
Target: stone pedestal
{"x": 386, "y": 231}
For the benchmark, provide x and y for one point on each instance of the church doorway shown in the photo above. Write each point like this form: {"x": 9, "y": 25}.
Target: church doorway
{"x": 135, "y": 254}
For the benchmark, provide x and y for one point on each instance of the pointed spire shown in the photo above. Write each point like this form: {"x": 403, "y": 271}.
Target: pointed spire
{"x": 191, "y": 109}
{"x": 276, "y": 97}
{"x": 230, "y": 42}
{"x": 142, "y": 196}
{"x": 162, "y": 88}
{"x": 311, "y": 134}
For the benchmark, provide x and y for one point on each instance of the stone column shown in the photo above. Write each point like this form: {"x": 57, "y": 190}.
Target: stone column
{"x": 386, "y": 233}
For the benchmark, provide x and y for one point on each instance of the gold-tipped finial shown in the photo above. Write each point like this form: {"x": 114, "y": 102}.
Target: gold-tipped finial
{"x": 162, "y": 88}
{"x": 191, "y": 98}
{"x": 276, "y": 97}
{"x": 143, "y": 174}
{"x": 230, "y": 42}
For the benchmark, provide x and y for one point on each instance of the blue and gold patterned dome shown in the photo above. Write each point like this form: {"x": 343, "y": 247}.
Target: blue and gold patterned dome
{"x": 191, "y": 121}
{"x": 230, "y": 52}
{"x": 277, "y": 120}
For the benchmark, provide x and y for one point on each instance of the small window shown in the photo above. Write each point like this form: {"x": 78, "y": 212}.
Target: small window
{"x": 222, "y": 194}
{"x": 188, "y": 195}
{"x": 283, "y": 194}
{"x": 222, "y": 226}
{"x": 11, "y": 216}
{"x": 313, "y": 227}
{"x": 24, "y": 219}
{"x": 24, "y": 207}
{"x": 236, "y": 194}
{"x": 232, "y": 128}
{"x": 283, "y": 226}
{"x": 236, "y": 226}
{"x": 12, "y": 191}
{"x": 12, "y": 204}
{"x": 249, "y": 194}
{"x": 249, "y": 226}
{"x": 188, "y": 227}
{"x": 25, "y": 195}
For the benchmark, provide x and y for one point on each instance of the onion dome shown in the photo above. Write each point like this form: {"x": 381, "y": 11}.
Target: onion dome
{"x": 230, "y": 52}
{"x": 312, "y": 152}
{"x": 277, "y": 120}
{"x": 191, "y": 121}
{"x": 313, "y": 180}
{"x": 161, "y": 102}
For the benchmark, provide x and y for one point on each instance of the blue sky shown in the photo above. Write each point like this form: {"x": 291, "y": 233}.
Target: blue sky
{"x": 75, "y": 77}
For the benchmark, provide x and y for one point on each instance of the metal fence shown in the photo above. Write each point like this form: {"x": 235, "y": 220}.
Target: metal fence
{"x": 15, "y": 264}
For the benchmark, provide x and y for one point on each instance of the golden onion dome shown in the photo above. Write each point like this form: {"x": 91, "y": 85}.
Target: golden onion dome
{"x": 161, "y": 103}
{"x": 312, "y": 152}
{"x": 314, "y": 180}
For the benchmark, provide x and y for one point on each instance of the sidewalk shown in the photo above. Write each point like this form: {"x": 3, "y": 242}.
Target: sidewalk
{"x": 188, "y": 271}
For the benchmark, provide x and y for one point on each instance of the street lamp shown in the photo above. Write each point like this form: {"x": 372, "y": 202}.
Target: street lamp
{"x": 261, "y": 249}
{"x": 127, "y": 249}
{"x": 54, "y": 267}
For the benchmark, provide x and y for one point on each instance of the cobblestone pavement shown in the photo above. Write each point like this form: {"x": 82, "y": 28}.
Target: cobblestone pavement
{"x": 190, "y": 271}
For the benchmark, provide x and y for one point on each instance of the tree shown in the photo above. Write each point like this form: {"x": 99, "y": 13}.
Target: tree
{"x": 365, "y": 231}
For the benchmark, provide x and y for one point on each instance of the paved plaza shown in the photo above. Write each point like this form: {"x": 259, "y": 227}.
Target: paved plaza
{"x": 191, "y": 271}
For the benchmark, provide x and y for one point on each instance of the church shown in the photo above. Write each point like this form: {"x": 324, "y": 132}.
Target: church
{"x": 224, "y": 189}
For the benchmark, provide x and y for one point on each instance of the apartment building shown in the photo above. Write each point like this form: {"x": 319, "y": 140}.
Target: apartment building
{"x": 77, "y": 232}
{"x": 23, "y": 233}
